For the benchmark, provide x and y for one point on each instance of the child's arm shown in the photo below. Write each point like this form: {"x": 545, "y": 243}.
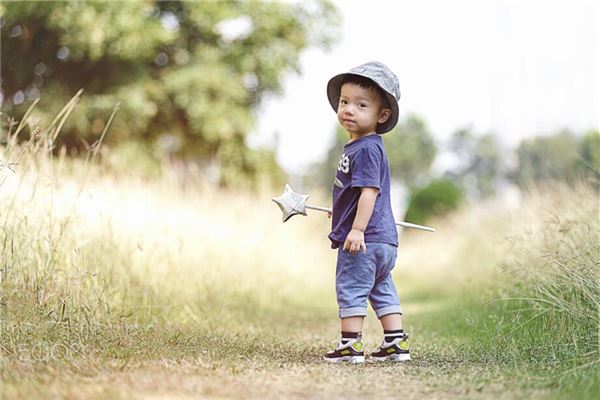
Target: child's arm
{"x": 356, "y": 238}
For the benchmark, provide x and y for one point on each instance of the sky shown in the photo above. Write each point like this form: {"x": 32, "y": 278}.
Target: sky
{"x": 513, "y": 68}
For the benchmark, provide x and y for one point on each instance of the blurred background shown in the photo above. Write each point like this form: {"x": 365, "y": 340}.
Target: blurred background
{"x": 141, "y": 143}
{"x": 495, "y": 94}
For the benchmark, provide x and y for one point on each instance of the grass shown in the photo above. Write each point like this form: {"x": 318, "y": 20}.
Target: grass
{"x": 116, "y": 286}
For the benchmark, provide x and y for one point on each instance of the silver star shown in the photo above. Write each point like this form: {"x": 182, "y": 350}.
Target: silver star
{"x": 291, "y": 203}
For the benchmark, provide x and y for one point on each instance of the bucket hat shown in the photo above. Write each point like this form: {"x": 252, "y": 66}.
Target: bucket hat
{"x": 382, "y": 76}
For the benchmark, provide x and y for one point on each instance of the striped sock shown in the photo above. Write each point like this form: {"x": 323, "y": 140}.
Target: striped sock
{"x": 347, "y": 336}
{"x": 390, "y": 336}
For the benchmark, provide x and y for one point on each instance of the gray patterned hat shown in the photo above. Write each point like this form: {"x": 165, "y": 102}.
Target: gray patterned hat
{"x": 382, "y": 76}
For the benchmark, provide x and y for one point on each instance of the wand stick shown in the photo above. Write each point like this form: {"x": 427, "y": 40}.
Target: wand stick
{"x": 292, "y": 203}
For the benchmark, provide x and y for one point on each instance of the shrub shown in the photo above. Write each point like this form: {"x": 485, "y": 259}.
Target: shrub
{"x": 437, "y": 198}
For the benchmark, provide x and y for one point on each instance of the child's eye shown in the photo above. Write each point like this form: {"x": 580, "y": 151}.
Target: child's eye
{"x": 343, "y": 102}
{"x": 362, "y": 105}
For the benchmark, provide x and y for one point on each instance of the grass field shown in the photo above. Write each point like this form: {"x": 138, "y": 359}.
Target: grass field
{"x": 118, "y": 287}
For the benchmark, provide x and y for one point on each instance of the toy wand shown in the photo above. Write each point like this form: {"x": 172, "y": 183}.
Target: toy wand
{"x": 292, "y": 203}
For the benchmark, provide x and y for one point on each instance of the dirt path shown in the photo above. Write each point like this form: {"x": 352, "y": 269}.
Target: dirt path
{"x": 248, "y": 379}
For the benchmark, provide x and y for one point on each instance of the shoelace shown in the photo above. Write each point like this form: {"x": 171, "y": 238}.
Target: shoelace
{"x": 341, "y": 345}
{"x": 383, "y": 343}
{"x": 344, "y": 345}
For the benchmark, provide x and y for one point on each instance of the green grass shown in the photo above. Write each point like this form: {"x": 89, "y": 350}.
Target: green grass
{"x": 120, "y": 287}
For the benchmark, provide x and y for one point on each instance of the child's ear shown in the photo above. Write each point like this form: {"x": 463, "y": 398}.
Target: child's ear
{"x": 384, "y": 115}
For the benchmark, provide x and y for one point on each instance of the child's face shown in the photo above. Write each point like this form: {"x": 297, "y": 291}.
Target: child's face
{"x": 360, "y": 110}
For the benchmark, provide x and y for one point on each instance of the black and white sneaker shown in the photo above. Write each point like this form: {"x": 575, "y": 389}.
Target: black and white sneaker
{"x": 396, "y": 350}
{"x": 351, "y": 352}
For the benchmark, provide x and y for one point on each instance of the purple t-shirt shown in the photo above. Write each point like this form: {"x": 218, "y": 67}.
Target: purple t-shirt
{"x": 363, "y": 163}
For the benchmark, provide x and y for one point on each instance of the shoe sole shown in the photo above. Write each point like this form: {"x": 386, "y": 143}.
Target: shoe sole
{"x": 347, "y": 359}
{"x": 392, "y": 357}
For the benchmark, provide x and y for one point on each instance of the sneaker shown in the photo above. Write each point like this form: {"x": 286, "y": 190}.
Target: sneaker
{"x": 396, "y": 350}
{"x": 351, "y": 352}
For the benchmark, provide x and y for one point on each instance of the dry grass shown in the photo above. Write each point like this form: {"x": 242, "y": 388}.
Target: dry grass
{"x": 114, "y": 286}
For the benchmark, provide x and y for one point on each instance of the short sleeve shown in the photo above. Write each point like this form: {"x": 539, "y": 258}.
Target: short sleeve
{"x": 366, "y": 168}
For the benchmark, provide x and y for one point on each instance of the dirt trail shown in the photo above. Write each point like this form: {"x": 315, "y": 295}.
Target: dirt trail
{"x": 185, "y": 380}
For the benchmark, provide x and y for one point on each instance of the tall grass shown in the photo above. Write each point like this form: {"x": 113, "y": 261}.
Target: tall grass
{"x": 118, "y": 266}
{"x": 97, "y": 266}
{"x": 550, "y": 301}
{"x": 515, "y": 286}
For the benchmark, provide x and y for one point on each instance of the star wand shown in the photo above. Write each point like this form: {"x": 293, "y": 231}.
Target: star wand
{"x": 292, "y": 203}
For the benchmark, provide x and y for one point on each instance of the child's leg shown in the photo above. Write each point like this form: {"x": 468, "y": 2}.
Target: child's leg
{"x": 352, "y": 324}
{"x": 391, "y": 322}
{"x": 384, "y": 296}
{"x": 385, "y": 301}
{"x": 355, "y": 276}
{"x": 392, "y": 327}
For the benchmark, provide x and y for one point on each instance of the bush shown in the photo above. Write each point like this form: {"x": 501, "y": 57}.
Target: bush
{"x": 437, "y": 198}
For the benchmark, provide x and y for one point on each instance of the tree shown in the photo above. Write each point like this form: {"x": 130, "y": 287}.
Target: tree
{"x": 321, "y": 174}
{"x": 190, "y": 71}
{"x": 409, "y": 146}
{"x": 547, "y": 158}
{"x": 411, "y": 150}
{"x": 479, "y": 162}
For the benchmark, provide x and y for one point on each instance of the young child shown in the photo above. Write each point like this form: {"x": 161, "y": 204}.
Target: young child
{"x": 363, "y": 227}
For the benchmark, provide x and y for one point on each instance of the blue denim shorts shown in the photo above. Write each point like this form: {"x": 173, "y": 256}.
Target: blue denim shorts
{"x": 367, "y": 276}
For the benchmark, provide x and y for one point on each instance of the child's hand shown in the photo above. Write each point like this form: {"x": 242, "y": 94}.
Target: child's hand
{"x": 355, "y": 241}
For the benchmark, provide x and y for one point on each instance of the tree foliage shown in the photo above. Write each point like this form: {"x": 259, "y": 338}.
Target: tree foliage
{"x": 547, "y": 158}
{"x": 188, "y": 74}
{"x": 322, "y": 173}
{"x": 411, "y": 150}
{"x": 409, "y": 146}
{"x": 479, "y": 162}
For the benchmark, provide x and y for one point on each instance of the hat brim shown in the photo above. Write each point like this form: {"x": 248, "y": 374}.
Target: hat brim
{"x": 334, "y": 87}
